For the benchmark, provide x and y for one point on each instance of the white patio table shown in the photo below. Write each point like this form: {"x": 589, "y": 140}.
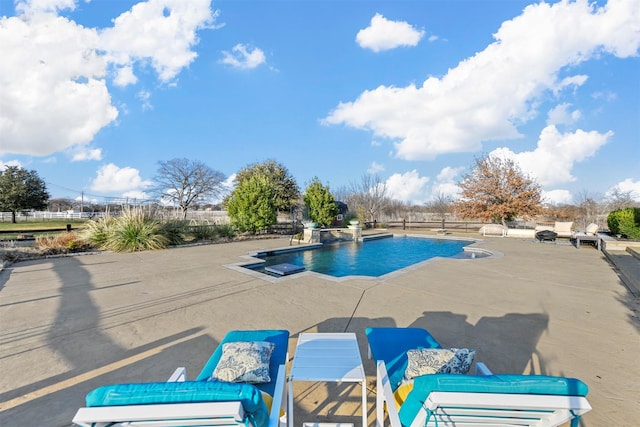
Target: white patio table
{"x": 329, "y": 357}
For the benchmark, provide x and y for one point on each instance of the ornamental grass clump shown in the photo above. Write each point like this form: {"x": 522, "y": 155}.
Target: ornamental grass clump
{"x": 135, "y": 231}
{"x": 97, "y": 231}
{"x": 225, "y": 231}
{"x": 62, "y": 243}
{"x": 175, "y": 231}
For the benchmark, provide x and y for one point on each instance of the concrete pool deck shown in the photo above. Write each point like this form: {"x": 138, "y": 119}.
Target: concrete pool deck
{"x": 72, "y": 324}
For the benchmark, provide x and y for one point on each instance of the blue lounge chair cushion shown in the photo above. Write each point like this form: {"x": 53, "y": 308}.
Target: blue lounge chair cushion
{"x": 183, "y": 392}
{"x": 391, "y": 345}
{"x": 512, "y": 384}
{"x": 280, "y": 339}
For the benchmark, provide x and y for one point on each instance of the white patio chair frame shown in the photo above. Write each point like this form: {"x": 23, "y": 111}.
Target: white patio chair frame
{"x": 450, "y": 409}
{"x": 182, "y": 414}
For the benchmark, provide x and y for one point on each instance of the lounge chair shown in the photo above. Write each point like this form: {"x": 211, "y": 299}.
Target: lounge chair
{"x": 204, "y": 401}
{"x": 592, "y": 229}
{"x": 483, "y": 399}
{"x": 563, "y": 229}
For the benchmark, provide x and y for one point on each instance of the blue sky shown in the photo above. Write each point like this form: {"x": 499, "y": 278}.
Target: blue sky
{"x": 94, "y": 94}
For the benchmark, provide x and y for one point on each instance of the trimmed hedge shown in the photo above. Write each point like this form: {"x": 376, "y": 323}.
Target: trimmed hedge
{"x": 625, "y": 222}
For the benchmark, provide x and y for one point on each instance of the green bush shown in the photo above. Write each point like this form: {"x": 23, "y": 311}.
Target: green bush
{"x": 251, "y": 205}
{"x": 226, "y": 231}
{"x": 175, "y": 231}
{"x": 625, "y": 222}
{"x": 203, "y": 232}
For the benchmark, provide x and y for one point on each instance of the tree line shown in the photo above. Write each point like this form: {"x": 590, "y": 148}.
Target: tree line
{"x": 494, "y": 190}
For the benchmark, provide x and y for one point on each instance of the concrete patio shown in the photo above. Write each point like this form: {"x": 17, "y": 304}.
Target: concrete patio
{"x": 74, "y": 323}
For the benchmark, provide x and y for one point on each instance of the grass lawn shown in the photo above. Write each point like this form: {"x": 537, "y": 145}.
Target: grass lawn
{"x": 10, "y": 231}
{"x": 40, "y": 225}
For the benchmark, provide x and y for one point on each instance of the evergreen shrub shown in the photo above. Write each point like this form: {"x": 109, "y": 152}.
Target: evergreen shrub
{"x": 625, "y": 222}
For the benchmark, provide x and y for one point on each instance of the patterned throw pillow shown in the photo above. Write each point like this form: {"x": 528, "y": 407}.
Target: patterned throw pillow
{"x": 244, "y": 362}
{"x": 438, "y": 361}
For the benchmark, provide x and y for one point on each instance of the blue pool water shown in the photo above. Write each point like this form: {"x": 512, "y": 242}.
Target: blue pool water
{"x": 370, "y": 258}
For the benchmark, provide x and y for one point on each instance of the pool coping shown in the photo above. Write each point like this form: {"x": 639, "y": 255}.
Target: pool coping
{"x": 252, "y": 258}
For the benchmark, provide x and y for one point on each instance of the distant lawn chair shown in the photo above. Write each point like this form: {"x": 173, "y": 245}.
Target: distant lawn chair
{"x": 205, "y": 401}
{"x": 563, "y": 229}
{"x": 484, "y": 399}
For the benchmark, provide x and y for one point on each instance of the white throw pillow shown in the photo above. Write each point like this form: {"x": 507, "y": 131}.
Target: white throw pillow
{"x": 244, "y": 362}
{"x": 424, "y": 361}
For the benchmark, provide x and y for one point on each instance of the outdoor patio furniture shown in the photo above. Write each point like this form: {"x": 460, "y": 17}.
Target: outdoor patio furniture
{"x": 483, "y": 399}
{"x": 493, "y": 229}
{"x": 589, "y": 235}
{"x": 546, "y": 235}
{"x": 207, "y": 400}
{"x": 563, "y": 229}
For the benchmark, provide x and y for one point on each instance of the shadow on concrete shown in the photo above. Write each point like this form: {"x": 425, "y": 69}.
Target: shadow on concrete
{"x": 77, "y": 314}
{"x": 506, "y": 344}
{"x": 632, "y": 302}
{"x": 54, "y": 401}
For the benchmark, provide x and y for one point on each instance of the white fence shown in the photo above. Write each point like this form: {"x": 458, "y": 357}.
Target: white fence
{"x": 204, "y": 217}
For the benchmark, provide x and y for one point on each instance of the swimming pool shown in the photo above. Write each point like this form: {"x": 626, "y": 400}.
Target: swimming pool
{"x": 373, "y": 258}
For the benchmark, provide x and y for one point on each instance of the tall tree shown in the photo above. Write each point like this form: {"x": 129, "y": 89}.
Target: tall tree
{"x": 618, "y": 199}
{"x": 322, "y": 206}
{"x": 251, "y": 205}
{"x": 441, "y": 205}
{"x": 590, "y": 207}
{"x": 368, "y": 197}
{"x": 21, "y": 190}
{"x": 497, "y": 190}
{"x": 184, "y": 182}
{"x": 286, "y": 188}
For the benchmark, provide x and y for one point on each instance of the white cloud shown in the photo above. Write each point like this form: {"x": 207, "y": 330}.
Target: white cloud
{"x": 557, "y": 197}
{"x": 227, "y": 187}
{"x": 125, "y": 76}
{"x": 82, "y": 153}
{"x": 553, "y": 159}
{"x": 408, "y": 187}
{"x": 4, "y": 165}
{"x": 628, "y": 185}
{"x": 54, "y": 94}
{"x": 383, "y": 34}
{"x": 84, "y": 199}
{"x": 229, "y": 183}
{"x": 161, "y": 31}
{"x": 487, "y": 96}
{"x": 145, "y": 97}
{"x": 113, "y": 179}
{"x": 54, "y": 71}
{"x": 136, "y": 195}
{"x": 375, "y": 168}
{"x": 243, "y": 57}
{"x": 560, "y": 115}
{"x": 39, "y": 6}
{"x": 446, "y": 182}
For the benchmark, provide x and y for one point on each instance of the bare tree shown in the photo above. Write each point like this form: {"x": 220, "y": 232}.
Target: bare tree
{"x": 184, "y": 182}
{"x": 497, "y": 190}
{"x": 441, "y": 205}
{"x": 618, "y": 199}
{"x": 368, "y": 197}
